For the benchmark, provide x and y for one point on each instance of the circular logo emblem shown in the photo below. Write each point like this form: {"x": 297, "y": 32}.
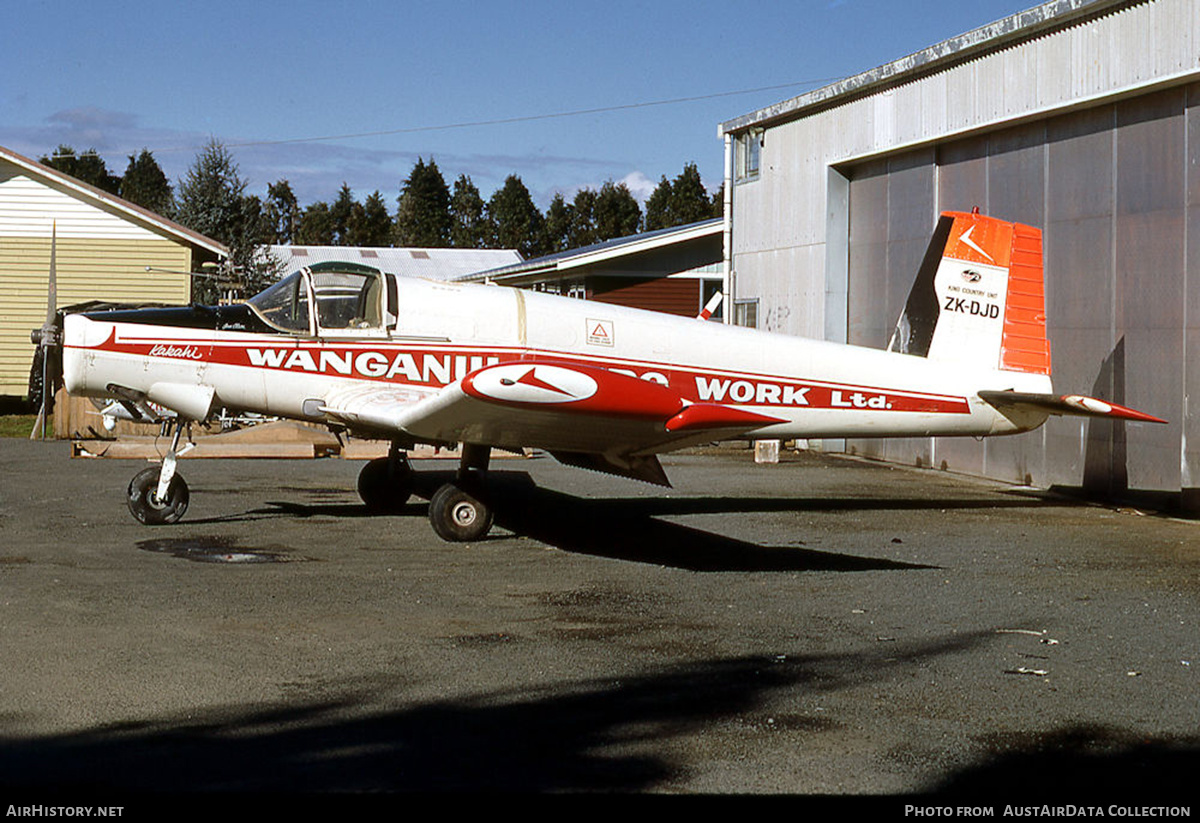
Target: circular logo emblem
{"x": 533, "y": 383}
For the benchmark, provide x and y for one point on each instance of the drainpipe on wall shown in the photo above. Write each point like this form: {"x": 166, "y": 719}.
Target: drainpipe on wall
{"x": 727, "y": 231}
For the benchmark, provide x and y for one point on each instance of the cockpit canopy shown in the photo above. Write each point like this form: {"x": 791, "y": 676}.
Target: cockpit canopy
{"x": 348, "y": 300}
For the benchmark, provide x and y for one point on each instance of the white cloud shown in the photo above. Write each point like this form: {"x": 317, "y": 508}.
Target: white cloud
{"x": 639, "y": 185}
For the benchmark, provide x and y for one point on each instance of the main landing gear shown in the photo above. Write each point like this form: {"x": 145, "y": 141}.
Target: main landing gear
{"x": 386, "y": 483}
{"x": 158, "y": 495}
{"x": 459, "y": 511}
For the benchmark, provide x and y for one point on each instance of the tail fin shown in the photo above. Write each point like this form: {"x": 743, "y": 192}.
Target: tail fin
{"x": 978, "y": 297}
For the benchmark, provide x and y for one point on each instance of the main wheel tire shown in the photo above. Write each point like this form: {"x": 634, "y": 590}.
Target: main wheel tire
{"x": 459, "y": 514}
{"x": 383, "y": 490}
{"x": 145, "y": 505}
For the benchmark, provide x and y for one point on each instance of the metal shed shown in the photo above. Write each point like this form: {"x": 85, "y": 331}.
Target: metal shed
{"x": 432, "y": 263}
{"x": 673, "y": 270}
{"x": 1081, "y": 117}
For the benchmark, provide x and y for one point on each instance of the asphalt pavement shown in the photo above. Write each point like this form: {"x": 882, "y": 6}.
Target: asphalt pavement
{"x": 823, "y": 626}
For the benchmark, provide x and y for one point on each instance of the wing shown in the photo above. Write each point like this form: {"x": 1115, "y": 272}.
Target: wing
{"x": 585, "y": 416}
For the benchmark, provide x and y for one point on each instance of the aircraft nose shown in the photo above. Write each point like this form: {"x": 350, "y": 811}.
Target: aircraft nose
{"x": 77, "y": 339}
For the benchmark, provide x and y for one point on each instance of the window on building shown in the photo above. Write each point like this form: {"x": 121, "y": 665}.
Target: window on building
{"x": 748, "y": 150}
{"x": 745, "y": 313}
{"x": 708, "y": 290}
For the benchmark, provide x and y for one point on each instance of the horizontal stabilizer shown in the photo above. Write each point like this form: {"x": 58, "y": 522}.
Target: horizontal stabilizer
{"x": 1070, "y": 404}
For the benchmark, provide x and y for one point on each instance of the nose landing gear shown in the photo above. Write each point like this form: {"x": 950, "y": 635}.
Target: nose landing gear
{"x": 158, "y": 495}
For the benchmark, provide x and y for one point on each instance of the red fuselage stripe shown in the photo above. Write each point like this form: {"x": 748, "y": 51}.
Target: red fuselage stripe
{"x": 432, "y": 366}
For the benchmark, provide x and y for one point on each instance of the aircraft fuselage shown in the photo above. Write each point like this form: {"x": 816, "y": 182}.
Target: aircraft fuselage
{"x": 445, "y": 331}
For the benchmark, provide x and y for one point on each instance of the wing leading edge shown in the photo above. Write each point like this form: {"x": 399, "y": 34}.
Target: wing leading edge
{"x": 585, "y": 416}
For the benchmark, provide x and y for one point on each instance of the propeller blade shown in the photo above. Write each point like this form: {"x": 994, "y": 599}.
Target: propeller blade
{"x": 49, "y": 341}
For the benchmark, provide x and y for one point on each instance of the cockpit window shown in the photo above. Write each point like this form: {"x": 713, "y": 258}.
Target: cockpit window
{"x": 347, "y": 300}
{"x": 285, "y": 304}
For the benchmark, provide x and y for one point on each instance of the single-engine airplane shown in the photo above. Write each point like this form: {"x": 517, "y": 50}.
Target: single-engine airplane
{"x": 598, "y": 386}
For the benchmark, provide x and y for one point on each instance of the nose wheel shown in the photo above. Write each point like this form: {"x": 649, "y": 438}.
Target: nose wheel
{"x": 158, "y": 495}
{"x": 145, "y": 503}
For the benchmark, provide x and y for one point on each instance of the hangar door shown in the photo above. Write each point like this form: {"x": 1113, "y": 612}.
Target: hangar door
{"x": 1115, "y": 189}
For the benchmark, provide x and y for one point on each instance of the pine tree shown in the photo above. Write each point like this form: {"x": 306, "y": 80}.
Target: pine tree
{"x": 718, "y": 202}
{"x": 689, "y": 199}
{"x": 468, "y": 216}
{"x": 558, "y": 224}
{"x": 515, "y": 219}
{"x": 316, "y": 226}
{"x": 145, "y": 184}
{"x": 209, "y": 196}
{"x": 423, "y": 217}
{"x": 582, "y": 230}
{"x": 282, "y": 213}
{"x": 88, "y": 167}
{"x": 617, "y": 212}
{"x": 370, "y": 224}
{"x": 211, "y": 200}
{"x": 678, "y": 202}
{"x": 658, "y": 206}
{"x": 340, "y": 213}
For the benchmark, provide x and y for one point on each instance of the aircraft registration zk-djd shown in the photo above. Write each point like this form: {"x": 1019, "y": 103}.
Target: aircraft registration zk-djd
{"x": 598, "y": 386}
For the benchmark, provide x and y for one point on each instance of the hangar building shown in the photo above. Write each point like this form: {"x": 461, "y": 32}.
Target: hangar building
{"x": 1081, "y": 117}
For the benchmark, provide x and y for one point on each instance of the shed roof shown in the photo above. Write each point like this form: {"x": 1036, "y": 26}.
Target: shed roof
{"x": 130, "y": 211}
{"x": 433, "y": 264}
{"x": 621, "y": 247}
{"x": 1001, "y": 34}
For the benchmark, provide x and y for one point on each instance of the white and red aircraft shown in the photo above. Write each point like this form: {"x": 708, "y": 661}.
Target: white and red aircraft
{"x": 598, "y": 386}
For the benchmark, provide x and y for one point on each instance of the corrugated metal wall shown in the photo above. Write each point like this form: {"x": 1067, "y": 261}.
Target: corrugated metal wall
{"x": 1110, "y": 187}
{"x": 780, "y": 217}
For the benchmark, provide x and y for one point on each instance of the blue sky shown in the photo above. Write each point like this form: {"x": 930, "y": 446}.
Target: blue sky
{"x": 168, "y": 76}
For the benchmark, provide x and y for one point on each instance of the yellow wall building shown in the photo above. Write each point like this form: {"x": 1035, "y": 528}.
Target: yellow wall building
{"x": 104, "y": 247}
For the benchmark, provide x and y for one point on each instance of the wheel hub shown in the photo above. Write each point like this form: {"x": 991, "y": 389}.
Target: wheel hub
{"x": 463, "y": 514}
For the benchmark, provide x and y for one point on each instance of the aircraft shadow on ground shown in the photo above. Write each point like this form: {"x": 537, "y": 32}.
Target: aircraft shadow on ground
{"x": 594, "y": 735}
{"x": 1082, "y": 764}
{"x": 631, "y": 528}
{"x": 624, "y": 528}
